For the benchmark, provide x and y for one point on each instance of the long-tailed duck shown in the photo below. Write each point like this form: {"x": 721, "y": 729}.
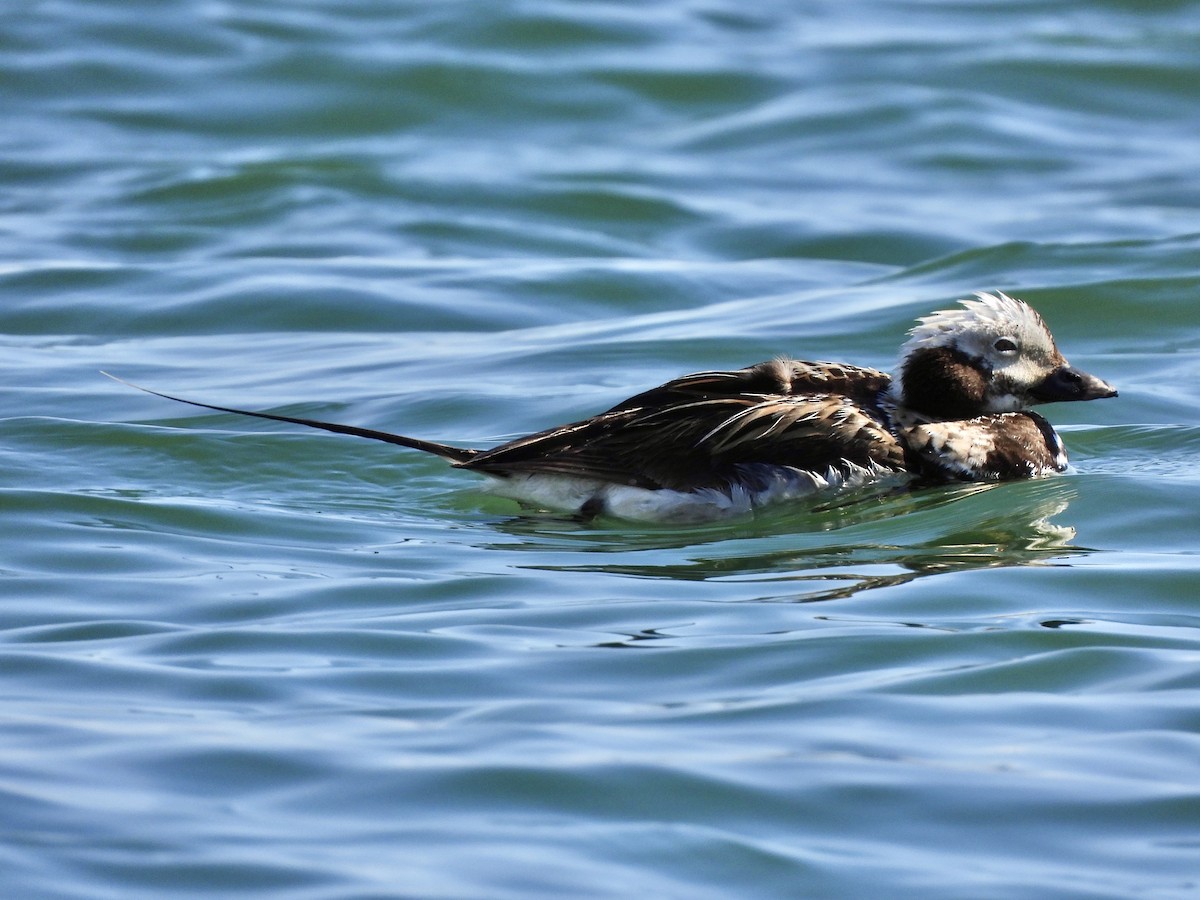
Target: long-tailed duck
{"x": 719, "y": 443}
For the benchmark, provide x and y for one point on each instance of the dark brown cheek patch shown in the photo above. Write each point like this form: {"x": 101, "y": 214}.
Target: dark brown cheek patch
{"x": 944, "y": 384}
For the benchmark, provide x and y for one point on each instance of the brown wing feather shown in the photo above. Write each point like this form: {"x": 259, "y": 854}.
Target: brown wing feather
{"x": 776, "y": 377}
{"x": 810, "y": 432}
{"x": 700, "y": 442}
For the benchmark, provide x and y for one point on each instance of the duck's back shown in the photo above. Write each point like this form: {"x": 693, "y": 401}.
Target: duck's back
{"x": 776, "y": 377}
{"x": 714, "y": 430}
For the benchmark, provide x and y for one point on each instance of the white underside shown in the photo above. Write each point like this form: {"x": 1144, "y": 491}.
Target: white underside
{"x": 779, "y": 483}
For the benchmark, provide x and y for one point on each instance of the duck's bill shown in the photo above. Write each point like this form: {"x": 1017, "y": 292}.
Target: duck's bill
{"x": 1069, "y": 383}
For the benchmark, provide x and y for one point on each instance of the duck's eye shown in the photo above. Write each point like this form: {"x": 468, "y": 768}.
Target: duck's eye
{"x": 1005, "y": 345}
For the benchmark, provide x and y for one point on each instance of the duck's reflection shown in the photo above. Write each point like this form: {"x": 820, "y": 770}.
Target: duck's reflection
{"x": 856, "y": 543}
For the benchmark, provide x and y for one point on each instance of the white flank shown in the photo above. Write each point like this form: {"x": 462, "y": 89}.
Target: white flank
{"x": 771, "y": 484}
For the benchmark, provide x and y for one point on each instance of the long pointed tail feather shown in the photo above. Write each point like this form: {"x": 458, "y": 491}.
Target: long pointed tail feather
{"x": 456, "y": 455}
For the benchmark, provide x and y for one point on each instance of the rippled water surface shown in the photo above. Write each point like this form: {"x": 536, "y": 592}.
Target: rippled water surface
{"x": 240, "y": 657}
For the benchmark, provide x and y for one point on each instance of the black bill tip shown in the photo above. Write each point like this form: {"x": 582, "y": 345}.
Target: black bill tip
{"x": 1069, "y": 383}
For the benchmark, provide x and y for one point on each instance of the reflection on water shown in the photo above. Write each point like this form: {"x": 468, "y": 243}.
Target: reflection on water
{"x": 835, "y": 550}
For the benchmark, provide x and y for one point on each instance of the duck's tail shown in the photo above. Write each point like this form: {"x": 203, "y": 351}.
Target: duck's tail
{"x": 456, "y": 455}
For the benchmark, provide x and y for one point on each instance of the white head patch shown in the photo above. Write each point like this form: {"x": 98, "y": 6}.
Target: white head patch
{"x": 996, "y": 315}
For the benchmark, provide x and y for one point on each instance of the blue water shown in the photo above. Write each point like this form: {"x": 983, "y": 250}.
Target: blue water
{"x": 245, "y": 659}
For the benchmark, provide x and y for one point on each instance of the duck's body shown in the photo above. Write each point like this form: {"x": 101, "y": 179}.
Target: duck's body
{"x": 717, "y": 443}
{"x": 708, "y": 444}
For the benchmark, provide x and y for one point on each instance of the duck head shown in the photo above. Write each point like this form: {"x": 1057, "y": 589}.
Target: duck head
{"x": 994, "y": 355}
